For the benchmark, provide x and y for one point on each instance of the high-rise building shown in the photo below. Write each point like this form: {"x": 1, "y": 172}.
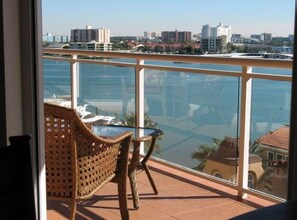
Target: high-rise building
{"x": 213, "y": 32}
{"x": 224, "y": 31}
{"x": 176, "y": 36}
{"x": 291, "y": 37}
{"x": 101, "y": 35}
{"x": 55, "y": 38}
{"x": 205, "y": 31}
{"x": 220, "y": 30}
{"x": 81, "y": 38}
{"x": 147, "y": 35}
{"x": 256, "y": 36}
{"x": 48, "y": 37}
{"x": 266, "y": 37}
{"x": 151, "y": 35}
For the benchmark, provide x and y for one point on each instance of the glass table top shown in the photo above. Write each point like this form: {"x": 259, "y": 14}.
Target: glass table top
{"x": 117, "y": 130}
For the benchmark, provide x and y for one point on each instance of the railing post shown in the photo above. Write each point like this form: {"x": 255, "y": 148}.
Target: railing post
{"x": 139, "y": 96}
{"x": 244, "y": 138}
{"x": 74, "y": 80}
{"x": 139, "y": 93}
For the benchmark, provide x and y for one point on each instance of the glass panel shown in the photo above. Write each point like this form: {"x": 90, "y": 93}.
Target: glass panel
{"x": 273, "y": 71}
{"x": 56, "y": 79}
{"x": 270, "y": 127}
{"x": 107, "y": 90}
{"x": 198, "y": 115}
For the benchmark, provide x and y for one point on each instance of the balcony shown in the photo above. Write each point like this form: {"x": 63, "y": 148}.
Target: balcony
{"x": 214, "y": 112}
{"x": 181, "y": 196}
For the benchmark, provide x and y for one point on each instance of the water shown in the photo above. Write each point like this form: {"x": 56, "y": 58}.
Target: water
{"x": 191, "y": 109}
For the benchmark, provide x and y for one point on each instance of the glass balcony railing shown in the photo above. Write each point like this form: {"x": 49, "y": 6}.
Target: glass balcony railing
{"x": 226, "y": 119}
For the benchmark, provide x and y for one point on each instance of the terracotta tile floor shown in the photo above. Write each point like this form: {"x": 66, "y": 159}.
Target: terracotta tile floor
{"x": 181, "y": 196}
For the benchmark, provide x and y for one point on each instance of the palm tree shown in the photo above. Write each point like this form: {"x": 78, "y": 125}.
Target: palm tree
{"x": 129, "y": 119}
{"x": 203, "y": 152}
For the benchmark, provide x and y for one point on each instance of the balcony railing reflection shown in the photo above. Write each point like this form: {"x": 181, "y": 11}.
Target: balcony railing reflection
{"x": 195, "y": 100}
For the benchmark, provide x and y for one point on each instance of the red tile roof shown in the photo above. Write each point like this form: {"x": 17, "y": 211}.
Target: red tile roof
{"x": 278, "y": 138}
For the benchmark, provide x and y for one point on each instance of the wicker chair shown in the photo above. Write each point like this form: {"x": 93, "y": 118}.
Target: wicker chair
{"x": 78, "y": 163}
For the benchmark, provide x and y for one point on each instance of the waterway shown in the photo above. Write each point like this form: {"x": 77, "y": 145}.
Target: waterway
{"x": 191, "y": 109}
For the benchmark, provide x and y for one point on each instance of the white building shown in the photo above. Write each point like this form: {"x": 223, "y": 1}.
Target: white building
{"x": 48, "y": 37}
{"x": 103, "y": 36}
{"x": 220, "y": 30}
{"x": 151, "y": 35}
{"x": 224, "y": 31}
{"x": 91, "y": 46}
{"x": 55, "y": 38}
{"x": 147, "y": 35}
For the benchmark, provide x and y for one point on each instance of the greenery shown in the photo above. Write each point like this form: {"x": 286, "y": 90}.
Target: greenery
{"x": 130, "y": 120}
{"x": 121, "y": 46}
{"x": 182, "y": 48}
{"x": 203, "y": 152}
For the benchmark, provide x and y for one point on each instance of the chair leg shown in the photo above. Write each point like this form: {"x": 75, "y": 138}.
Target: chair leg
{"x": 133, "y": 184}
{"x": 73, "y": 210}
{"x": 122, "y": 191}
{"x": 147, "y": 171}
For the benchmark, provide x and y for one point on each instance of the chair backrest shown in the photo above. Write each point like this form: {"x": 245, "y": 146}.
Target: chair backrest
{"x": 78, "y": 162}
{"x": 17, "y": 199}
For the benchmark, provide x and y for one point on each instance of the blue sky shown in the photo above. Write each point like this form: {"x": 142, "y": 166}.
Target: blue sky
{"x": 133, "y": 17}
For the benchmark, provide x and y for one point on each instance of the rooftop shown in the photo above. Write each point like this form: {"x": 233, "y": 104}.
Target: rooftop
{"x": 181, "y": 196}
{"x": 278, "y": 138}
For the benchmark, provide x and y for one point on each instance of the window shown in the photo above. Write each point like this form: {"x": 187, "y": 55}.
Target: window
{"x": 218, "y": 175}
{"x": 279, "y": 157}
{"x": 251, "y": 180}
{"x": 270, "y": 155}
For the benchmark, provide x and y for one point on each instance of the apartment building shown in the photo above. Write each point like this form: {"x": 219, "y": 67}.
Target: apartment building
{"x": 220, "y": 30}
{"x": 266, "y": 37}
{"x": 151, "y": 35}
{"x": 176, "y": 36}
{"x": 214, "y": 44}
{"x": 91, "y": 46}
{"x": 99, "y": 38}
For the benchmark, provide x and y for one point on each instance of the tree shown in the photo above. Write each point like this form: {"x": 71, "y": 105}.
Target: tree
{"x": 144, "y": 48}
{"x": 122, "y": 45}
{"x": 159, "y": 49}
{"x": 203, "y": 152}
{"x": 230, "y": 47}
{"x": 130, "y": 120}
